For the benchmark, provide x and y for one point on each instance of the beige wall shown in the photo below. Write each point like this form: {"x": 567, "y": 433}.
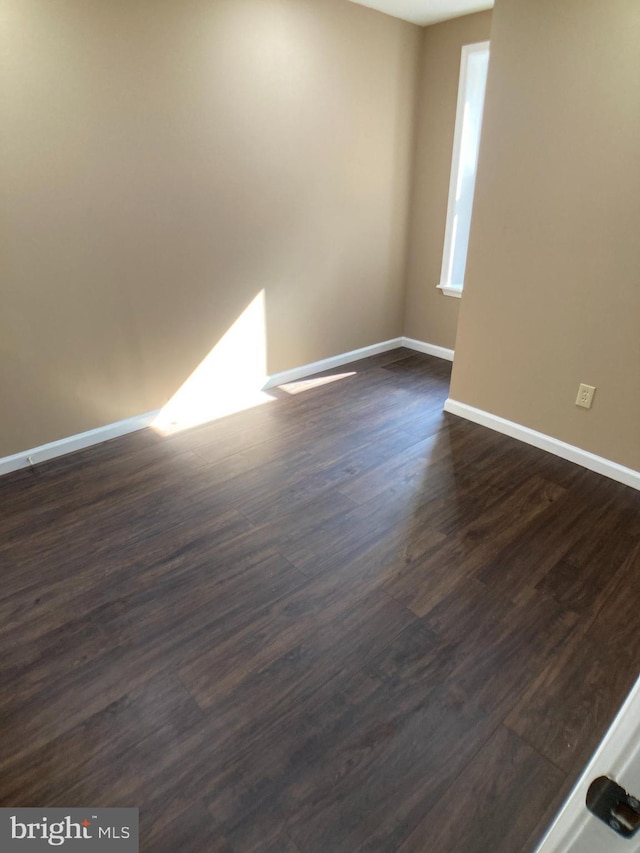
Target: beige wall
{"x": 163, "y": 162}
{"x": 552, "y": 292}
{"x": 429, "y": 315}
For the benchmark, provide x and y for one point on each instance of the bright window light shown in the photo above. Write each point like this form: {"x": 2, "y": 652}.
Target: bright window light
{"x": 473, "y": 80}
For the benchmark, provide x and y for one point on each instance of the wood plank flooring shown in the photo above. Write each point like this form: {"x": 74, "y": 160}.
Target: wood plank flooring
{"x": 341, "y": 621}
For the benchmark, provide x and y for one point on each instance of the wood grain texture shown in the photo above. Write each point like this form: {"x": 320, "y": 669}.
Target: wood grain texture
{"x": 484, "y": 809}
{"x": 344, "y": 621}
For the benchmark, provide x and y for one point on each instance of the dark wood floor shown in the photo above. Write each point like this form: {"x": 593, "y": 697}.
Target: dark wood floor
{"x": 342, "y": 621}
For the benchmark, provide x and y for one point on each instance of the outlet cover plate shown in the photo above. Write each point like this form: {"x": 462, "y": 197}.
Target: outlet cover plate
{"x": 585, "y": 395}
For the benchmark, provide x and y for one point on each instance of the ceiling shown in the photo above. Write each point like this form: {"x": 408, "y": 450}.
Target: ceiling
{"x": 425, "y": 12}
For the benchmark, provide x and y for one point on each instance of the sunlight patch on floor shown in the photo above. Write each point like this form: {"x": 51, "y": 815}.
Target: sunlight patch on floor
{"x": 307, "y": 384}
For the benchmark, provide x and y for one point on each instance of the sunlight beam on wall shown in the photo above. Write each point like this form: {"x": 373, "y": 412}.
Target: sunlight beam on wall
{"x": 230, "y": 379}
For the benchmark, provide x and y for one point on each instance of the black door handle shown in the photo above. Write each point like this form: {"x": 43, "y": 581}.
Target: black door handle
{"x": 612, "y": 804}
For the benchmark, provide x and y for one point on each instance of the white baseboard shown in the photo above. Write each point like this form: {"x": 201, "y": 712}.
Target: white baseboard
{"x": 428, "y": 349}
{"x": 74, "y": 442}
{"x": 546, "y": 442}
{"x": 328, "y": 363}
{"x": 346, "y": 357}
{"x": 96, "y": 436}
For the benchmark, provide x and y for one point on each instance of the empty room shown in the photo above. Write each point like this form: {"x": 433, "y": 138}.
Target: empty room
{"x": 320, "y": 426}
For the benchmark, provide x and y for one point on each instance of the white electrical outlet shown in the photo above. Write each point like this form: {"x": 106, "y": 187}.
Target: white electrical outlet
{"x": 585, "y": 395}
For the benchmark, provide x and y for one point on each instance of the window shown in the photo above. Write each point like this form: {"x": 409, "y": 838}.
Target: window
{"x": 473, "y": 80}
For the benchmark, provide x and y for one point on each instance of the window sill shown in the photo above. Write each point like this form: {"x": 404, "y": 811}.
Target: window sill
{"x": 448, "y": 290}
